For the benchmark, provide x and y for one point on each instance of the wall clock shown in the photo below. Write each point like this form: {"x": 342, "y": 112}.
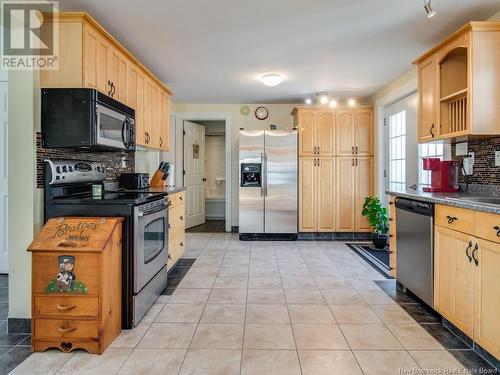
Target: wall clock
{"x": 261, "y": 113}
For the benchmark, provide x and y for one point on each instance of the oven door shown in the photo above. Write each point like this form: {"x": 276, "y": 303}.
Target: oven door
{"x": 151, "y": 244}
{"x": 114, "y": 129}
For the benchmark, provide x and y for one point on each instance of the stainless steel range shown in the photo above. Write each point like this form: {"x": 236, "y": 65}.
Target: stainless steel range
{"x": 68, "y": 192}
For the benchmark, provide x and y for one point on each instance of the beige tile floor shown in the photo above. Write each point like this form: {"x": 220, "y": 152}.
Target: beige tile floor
{"x": 307, "y": 308}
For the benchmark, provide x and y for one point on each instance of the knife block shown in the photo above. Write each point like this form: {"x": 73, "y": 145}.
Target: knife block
{"x": 156, "y": 180}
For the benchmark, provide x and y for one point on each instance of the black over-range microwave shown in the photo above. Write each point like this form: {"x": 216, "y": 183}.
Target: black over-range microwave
{"x": 86, "y": 118}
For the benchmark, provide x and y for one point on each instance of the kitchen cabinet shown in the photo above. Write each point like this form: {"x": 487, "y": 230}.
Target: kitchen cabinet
{"x": 466, "y": 277}
{"x": 354, "y": 132}
{"x": 316, "y": 194}
{"x": 92, "y": 58}
{"x": 354, "y": 182}
{"x": 176, "y": 229}
{"x": 76, "y": 284}
{"x": 316, "y": 128}
{"x": 458, "y": 84}
{"x": 393, "y": 255}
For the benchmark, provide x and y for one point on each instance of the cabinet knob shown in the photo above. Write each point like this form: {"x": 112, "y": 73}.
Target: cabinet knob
{"x": 182, "y": 244}
{"x": 181, "y": 217}
{"x": 169, "y": 256}
{"x": 169, "y": 226}
{"x": 451, "y": 219}
{"x": 497, "y": 228}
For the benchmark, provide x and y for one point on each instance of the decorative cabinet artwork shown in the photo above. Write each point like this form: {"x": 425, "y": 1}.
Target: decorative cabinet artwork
{"x": 76, "y": 284}
{"x": 90, "y": 57}
{"x": 466, "y": 277}
{"x": 176, "y": 229}
{"x": 335, "y": 167}
{"x": 458, "y": 84}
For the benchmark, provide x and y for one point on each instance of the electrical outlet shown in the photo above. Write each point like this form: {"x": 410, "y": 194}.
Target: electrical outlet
{"x": 471, "y": 157}
{"x": 497, "y": 158}
{"x": 468, "y": 166}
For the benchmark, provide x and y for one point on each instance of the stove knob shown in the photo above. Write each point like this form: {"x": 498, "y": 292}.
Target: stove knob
{"x": 64, "y": 169}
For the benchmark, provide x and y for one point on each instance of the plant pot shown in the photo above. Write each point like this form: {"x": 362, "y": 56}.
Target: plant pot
{"x": 380, "y": 240}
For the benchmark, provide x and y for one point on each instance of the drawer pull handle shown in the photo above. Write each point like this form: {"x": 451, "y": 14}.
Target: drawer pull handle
{"x": 497, "y": 228}
{"x": 180, "y": 198}
{"x": 181, "y": 217}
{"x": 451, "y": 219}
{"x": 65, "y": 308}
{"x": 467, "y": 251}
{"x": 476, "y": 248}
{"x": 390, "y": 235}
{"x": 66, "y": 330}
{"x": 169, "y": 226}
{"x": 66, "y": 243}
{"x": 182, "y": 244}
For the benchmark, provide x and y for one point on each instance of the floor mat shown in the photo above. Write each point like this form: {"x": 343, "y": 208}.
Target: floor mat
{"x": 378, "y": 259}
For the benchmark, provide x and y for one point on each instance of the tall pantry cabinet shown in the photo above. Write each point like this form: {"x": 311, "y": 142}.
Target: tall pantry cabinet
{"x": 335, "y": 167}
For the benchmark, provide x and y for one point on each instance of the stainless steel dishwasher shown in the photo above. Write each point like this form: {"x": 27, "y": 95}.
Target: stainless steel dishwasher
{"x": 415, "y": 247}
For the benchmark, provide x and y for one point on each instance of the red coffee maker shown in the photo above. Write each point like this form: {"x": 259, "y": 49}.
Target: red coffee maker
{"x": 444, "y": 175}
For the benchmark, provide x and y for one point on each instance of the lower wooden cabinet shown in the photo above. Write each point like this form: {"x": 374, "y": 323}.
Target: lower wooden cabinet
{"x": 354, "y": 181}
{"x": 316, "y": 194}
{"x": 467, "y": 285}
{"x": 176, "y": 229}
{"x": 393, "y": 256}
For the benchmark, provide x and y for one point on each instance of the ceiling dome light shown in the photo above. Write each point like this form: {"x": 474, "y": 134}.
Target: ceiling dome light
{"x": 428, "y": 9}
{"x": 351, "y": 102}
{"x": 333, "y": 103}
{"x": 271, "y": 79}
{"x": 309, "y": 101}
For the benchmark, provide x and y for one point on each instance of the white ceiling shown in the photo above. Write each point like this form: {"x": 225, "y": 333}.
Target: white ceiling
{"x": 211, "y": 51}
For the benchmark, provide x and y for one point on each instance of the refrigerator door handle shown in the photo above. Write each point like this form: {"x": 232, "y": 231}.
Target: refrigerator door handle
{"x": 265, "y": 173}
{"x": 262, "y": 175}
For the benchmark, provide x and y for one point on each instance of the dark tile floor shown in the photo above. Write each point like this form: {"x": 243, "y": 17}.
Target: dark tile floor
{"x": 14, "y": 348}
{"x": 432, "y": 323}
{"x": 210, "y": 226}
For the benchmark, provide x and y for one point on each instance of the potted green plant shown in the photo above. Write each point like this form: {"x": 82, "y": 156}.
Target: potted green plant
{"x": 378, "y": 219}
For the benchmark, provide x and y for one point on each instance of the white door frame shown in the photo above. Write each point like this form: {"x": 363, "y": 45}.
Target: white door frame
{"x": 180, "y": 117}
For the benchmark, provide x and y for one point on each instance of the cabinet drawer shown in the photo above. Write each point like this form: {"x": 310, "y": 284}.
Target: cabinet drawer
{"x": 455, "y": 218}
{"x": 488, "y": 226}
{"x": 61, "y": 306}
{"x": 66, "y": 328}
{"x": 176, "y": 199}
{"x": 176, "y": 217}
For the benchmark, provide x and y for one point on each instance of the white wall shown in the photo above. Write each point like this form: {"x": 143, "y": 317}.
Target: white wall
{"x": 279, "y": 114}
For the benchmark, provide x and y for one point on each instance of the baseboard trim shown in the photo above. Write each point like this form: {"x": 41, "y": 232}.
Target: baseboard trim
{"x": 19, "y": 325}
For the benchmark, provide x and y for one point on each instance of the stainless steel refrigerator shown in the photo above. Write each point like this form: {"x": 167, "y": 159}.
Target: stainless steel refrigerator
{"x": 268, "y": 184}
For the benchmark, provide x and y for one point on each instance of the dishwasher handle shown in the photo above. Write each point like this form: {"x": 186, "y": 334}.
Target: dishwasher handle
{"x": 417, "y": 207}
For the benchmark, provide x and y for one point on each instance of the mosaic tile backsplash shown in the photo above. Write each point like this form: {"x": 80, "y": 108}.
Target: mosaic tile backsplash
{"x": 111, "y": 159}
{"x": 485, "y": 172}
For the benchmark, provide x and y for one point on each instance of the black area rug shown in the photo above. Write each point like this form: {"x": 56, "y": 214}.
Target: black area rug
{"x": 377, "y": 258}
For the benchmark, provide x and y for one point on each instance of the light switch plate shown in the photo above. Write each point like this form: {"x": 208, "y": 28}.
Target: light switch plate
{"x": 461, "y": 148}
{"x": 497, "y": 158}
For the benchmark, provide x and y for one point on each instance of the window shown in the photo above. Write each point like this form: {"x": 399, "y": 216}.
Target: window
{"x": 434, "y": 150}
{"x": 397, "y": 151}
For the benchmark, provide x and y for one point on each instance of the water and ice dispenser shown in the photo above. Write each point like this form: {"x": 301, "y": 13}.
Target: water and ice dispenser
{"x": 251, "y": 175}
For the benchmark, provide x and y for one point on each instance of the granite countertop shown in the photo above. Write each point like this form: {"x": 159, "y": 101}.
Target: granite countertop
{"x": 459, "y": 199}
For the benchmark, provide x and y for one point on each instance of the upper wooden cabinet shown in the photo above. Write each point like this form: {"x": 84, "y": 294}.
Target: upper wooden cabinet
{"x": 458, "y": 84}
{"x": 354, "y": 131}
{"x": 316, "y": 131}
{"x": 90, "y": 57}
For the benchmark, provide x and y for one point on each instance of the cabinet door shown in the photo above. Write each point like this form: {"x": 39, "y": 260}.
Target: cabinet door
{"x": 325, "y": 176}
{"x": 155, "y": 118}
{"x": 307, "y": 195}
{"x": 363, "y": 188}
{"x": 392, "y": 237}
{"x": 363, "y": 132}
{"x": 344, "y": 124}
{"x": 95, "y": 64}
{"x": 165, "y": 121}
{"x": 325, "y": 133}
{"x": 344, "y": 183}
{"x": 454, "y": 278}
{"x": 306, "y": 127}
{"x": 140, "y": 129}
{"x": 427, "y": 95}
{"x": 117, "y": 75}
{"x": 147, "y": 105}
{"x": 487, "y": 297}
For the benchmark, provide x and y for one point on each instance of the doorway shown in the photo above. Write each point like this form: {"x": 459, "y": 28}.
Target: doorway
{"x": 4, "y": 258}
{"x": 205, "y": 174}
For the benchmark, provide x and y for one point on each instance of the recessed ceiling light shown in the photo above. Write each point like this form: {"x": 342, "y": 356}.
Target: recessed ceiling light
{"x": 271, "y": 79}
{"x": 351, "y": 102}
{"x": 428, "y": 9}
{"x": 309, "y": 101}
{"x": 333, "y": 103}
{"x": 323, "y": 97}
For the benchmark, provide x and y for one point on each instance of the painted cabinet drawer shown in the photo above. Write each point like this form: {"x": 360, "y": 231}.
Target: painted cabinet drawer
{"x": 488, "y": 226}
{"x": 46, "y": 270}
{"x": 61, "y": 306}
{"x": 52, "y": 328}
{"x": 455, "y": 218}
